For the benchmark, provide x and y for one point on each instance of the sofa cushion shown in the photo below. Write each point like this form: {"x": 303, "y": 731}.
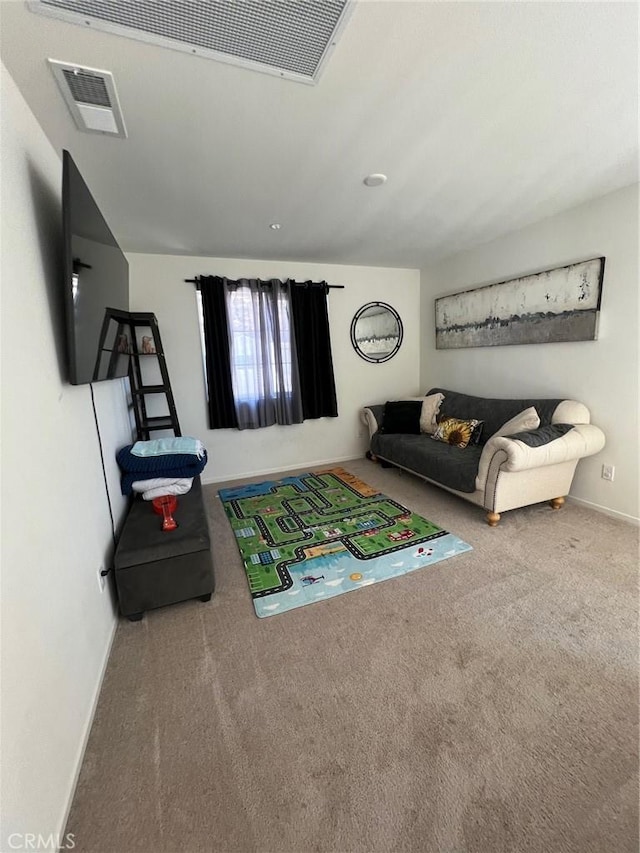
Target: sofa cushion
{"x": 494, "y": 412}
{"x": 440, "y": 462}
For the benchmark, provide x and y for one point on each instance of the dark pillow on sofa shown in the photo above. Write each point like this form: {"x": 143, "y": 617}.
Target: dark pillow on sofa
{"x": 402, "y": 416}
{"x": 476, "y": 435}
{"x": 542, "y": 435}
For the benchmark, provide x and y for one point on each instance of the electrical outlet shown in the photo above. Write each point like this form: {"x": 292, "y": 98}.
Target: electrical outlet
{"x": 102, "y": 579}
{"x": 608, "y": 472}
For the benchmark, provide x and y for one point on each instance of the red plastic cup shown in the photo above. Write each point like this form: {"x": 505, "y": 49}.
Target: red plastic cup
{"x": 165, "y": 505}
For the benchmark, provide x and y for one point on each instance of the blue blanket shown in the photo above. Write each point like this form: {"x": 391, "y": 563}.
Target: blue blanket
{"x": 146, "y": 467}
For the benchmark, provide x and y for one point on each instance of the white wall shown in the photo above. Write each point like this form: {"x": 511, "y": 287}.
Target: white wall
{"x": 56, "y": 624}
{"x": 158, "y": 285}
{"x": 603, "y": 374}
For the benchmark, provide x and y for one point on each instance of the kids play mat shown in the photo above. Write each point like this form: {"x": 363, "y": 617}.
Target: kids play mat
{"x": 307, "y": 538}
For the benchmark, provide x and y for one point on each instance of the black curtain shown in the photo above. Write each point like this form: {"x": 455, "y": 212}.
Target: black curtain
{"x": 222, "y": 410}
{"x": 313, "y": 345}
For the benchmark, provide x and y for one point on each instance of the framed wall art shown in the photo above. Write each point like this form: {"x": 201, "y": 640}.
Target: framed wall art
{"x": 560, "y": 304}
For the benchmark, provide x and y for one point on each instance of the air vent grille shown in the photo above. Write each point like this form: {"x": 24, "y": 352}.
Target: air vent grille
{"x": 91, "y": 96}
{"x": 87, "y": 88}
{"x": 289, "y": 37}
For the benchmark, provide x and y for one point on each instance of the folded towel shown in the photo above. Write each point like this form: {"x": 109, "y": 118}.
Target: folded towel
{"x": 164, "y": 446}
{"x": 152, "y": 494}
{"x": 159, "y": 486}
{"x": 171, "y": 465}
{"x": 163, "y": 482}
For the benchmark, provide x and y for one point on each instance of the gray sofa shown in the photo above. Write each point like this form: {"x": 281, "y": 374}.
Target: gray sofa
{"x": 501, "y": 472}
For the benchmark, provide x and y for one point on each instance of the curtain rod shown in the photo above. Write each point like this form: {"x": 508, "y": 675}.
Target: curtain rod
{"x": 297, "y": 283}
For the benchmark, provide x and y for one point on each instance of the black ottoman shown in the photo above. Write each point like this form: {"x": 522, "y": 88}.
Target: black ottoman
{"x": 154, "y": 567}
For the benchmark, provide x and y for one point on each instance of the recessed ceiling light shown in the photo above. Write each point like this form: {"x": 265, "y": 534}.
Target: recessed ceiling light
{"x": 275, "y": 226}
{"x": 375, "y": 180}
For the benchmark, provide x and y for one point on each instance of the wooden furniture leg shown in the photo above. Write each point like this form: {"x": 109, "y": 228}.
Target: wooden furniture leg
{"x": 493, "y": 518}
{"x": 556, "y": 503}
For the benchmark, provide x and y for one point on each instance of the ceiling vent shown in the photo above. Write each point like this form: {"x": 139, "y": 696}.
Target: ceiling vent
{"x": 288, "y": 38}
{"x": 91, "y": 97}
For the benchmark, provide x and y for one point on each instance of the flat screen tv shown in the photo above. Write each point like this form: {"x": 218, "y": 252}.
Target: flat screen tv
{"x": 96, "y": 282}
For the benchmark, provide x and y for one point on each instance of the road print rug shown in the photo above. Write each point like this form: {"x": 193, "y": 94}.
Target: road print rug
{"x": 307, "y": 538}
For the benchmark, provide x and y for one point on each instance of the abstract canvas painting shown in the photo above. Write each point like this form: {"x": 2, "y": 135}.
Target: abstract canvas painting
{"x": 560, "y": 304}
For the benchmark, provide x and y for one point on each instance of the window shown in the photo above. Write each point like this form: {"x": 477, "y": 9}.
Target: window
{"x": 260, "y": 349}
{"x": 266, "y": 352}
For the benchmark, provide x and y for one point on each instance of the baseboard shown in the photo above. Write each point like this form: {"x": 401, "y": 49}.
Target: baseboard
{"x": 622, "y": 516}
{"x": 208, "y": 481}
{"x": 87, "y": 731}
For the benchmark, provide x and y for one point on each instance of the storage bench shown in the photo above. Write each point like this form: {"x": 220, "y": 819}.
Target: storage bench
{"x": 155, "y": 567}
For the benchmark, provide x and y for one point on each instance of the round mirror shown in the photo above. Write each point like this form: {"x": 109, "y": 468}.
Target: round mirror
{"x": 376, "y": 331}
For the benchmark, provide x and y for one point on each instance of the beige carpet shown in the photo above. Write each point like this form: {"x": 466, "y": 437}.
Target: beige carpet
{"x": 486, "y": 704}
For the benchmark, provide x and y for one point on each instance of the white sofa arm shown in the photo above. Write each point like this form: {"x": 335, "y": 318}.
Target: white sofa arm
{"x": 582, "y": 440}
{"x": 368, "y": 418}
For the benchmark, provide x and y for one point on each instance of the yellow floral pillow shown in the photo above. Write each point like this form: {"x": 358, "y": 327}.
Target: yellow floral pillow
{"x": 456, "y": 432}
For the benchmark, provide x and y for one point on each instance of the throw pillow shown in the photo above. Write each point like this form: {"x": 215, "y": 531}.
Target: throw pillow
{"x": 476, "y": 434}
{"x": 430, "y": 411}
{"x": 543, "y": 435}
{"x": 455, "y": 431}
{"x": 401, "y": 416}
{"x": 522, "y": 422}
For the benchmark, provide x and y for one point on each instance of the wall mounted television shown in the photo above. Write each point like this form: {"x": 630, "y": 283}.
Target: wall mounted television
{"x": 96, "y": 285}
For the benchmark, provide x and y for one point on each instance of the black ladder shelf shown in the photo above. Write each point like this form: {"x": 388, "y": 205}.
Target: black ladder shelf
{"x": 149, "y": 348}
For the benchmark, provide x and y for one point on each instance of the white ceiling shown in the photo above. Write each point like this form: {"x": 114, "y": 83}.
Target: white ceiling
{"x": 485, "y": 116}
